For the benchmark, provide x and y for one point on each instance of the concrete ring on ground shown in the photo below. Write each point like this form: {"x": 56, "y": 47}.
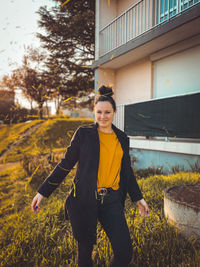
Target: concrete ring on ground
{"x": 182, "y": 209}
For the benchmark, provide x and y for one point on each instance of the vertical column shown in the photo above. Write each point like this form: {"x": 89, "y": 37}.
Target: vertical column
{"x": 97, "y": 11}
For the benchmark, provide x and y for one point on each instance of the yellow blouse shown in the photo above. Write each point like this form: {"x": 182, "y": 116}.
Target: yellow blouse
{"x": 110, "y": 161}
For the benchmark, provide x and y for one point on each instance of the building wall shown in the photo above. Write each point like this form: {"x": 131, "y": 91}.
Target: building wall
{"x": 105, "y": 13}
{"x": 134, "y": 83}
{"x": 7, "y": 96}
{"x": 7, "y": 100}
{"x": 177, "y": 74}
{"x": 124, "y": 5}
{"x": 105, "y": 77}
{"x": 79, "y": 113}
{"x": 174, "y": 74}
{"x": 166, "y": 160}
{"x": 108, "y": 12}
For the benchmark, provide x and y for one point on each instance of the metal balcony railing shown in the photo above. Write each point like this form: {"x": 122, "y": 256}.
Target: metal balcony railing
{"x": 138, "y": 19}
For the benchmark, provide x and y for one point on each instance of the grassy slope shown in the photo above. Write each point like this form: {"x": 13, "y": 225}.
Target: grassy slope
{"x": 53, "y": 134}
{"x": 45, "y": 239}
{"x": 10, "y": 134}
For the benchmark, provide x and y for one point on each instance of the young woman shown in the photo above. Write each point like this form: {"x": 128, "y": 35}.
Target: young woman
{"x": 103, "y": 178}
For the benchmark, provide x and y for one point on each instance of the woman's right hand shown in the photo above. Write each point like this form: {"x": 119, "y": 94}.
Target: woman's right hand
{"x": 35, "y": 205}
{"x": 143, "y": 208}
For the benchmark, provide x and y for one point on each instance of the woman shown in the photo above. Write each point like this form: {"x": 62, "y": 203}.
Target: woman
{"x": 103, "y": 178}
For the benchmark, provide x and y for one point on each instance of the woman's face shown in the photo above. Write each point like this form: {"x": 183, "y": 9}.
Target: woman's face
{"x": 104, "y": 113}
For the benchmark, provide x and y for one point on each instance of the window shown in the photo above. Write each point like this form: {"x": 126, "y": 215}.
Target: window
{"x": 169, "y": 8}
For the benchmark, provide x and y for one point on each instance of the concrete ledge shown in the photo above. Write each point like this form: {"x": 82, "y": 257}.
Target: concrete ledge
{"x": 175, "y": 147}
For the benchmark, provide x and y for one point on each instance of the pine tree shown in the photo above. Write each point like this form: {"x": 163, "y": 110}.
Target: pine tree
{"x": 69, "y": 38}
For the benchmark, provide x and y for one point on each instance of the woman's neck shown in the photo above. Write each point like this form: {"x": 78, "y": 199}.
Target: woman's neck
{"x": 105, "y": 130}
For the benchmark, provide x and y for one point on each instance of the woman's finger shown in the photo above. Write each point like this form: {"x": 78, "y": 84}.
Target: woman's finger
{"x": 35, "y": 205}
{"x": 144, "y": 210}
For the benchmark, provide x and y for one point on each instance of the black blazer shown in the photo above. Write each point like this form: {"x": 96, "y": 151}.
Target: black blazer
{"x": 80, "y": 205}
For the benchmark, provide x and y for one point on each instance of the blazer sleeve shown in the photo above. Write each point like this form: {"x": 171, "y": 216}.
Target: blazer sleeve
{"x": 133, "y": 187}
{"x": 63, "y": 167}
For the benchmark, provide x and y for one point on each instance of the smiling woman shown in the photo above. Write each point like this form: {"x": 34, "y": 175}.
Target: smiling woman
{"x": 103, "y": 178}
{"x": 105, "y": 110}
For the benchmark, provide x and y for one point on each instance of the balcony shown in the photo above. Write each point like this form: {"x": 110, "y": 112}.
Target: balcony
{"x": 139, "y": 19}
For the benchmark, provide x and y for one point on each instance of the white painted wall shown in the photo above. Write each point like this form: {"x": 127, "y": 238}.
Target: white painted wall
{"x": 130, "y": 84}
{"x": 105, "y": 77}
{"x": 175, "y": 147}
{"x": 134, "y": 83}
{"x": 124, "y": 5}
{"x": 177, "y": 74}
{"x": 107, "y": 12}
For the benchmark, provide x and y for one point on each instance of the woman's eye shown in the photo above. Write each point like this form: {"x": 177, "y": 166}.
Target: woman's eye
{"x": 107, "y": 112}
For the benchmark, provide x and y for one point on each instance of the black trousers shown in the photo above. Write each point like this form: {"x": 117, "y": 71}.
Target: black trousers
{"x": 112, "y": 219}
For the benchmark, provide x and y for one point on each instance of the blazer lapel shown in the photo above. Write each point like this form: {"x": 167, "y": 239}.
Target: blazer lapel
{"x": 120, "y": 137}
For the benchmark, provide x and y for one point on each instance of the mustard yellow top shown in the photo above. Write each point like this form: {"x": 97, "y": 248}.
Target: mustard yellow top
{"x": 110, "y": 161}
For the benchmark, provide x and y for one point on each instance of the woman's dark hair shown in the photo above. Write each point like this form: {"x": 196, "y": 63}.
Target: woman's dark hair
{"x": 105, "y": 94}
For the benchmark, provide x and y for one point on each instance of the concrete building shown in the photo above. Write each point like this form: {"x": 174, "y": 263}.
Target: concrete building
{"x": 79, "y": 113}
{"x": 149, "y": 52}
{"x": 7, "y": 99}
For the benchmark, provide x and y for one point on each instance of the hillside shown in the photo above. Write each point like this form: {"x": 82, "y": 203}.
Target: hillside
{"x": 36, "y": 137}
{"x": 45, "y": 239}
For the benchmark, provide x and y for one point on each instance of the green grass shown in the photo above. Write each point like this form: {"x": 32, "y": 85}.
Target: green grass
{"x": 54, "y": 134}
{"x": 10, "y": 134}
{"x": 45, "y": 239}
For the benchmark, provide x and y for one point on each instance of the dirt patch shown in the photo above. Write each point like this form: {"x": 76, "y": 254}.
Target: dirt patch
{"x": 189, "y": 194}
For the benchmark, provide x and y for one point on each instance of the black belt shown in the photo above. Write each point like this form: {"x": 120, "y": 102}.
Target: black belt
{"x": 104, "y": 191}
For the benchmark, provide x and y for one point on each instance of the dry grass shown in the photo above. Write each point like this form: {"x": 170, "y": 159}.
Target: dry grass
{"x": 45, "y": 239}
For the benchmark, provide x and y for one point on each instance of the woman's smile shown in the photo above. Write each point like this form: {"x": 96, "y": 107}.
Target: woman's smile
{"x": 104, "y": 114}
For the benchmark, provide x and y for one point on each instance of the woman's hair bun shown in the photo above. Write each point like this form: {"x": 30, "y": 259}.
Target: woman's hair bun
{"x": 105, "y": 94}
{"x": 105, "y": 91}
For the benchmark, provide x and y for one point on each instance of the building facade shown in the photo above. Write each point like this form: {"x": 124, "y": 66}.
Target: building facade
{"x": 149, "y": 52}
{"x": 7, "y": 100}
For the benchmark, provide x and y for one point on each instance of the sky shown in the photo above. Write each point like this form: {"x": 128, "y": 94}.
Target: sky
{"x": 18, "y": 27}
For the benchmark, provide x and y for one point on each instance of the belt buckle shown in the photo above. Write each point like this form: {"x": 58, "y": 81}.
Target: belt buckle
{"x": 103, "y": 191}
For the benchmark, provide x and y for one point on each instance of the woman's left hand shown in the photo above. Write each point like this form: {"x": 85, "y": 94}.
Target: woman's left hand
{"x": 143, "y": 207}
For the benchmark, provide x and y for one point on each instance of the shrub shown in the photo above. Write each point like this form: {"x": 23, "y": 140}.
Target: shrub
{"x": 143, "y": 173}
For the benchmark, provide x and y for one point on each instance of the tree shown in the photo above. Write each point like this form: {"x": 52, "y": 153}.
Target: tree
{"x": 7, "y": 83}
{"x": 33, "y": 79}
{"x": 10, "y": 109}
{"x": 69, "y": 38}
